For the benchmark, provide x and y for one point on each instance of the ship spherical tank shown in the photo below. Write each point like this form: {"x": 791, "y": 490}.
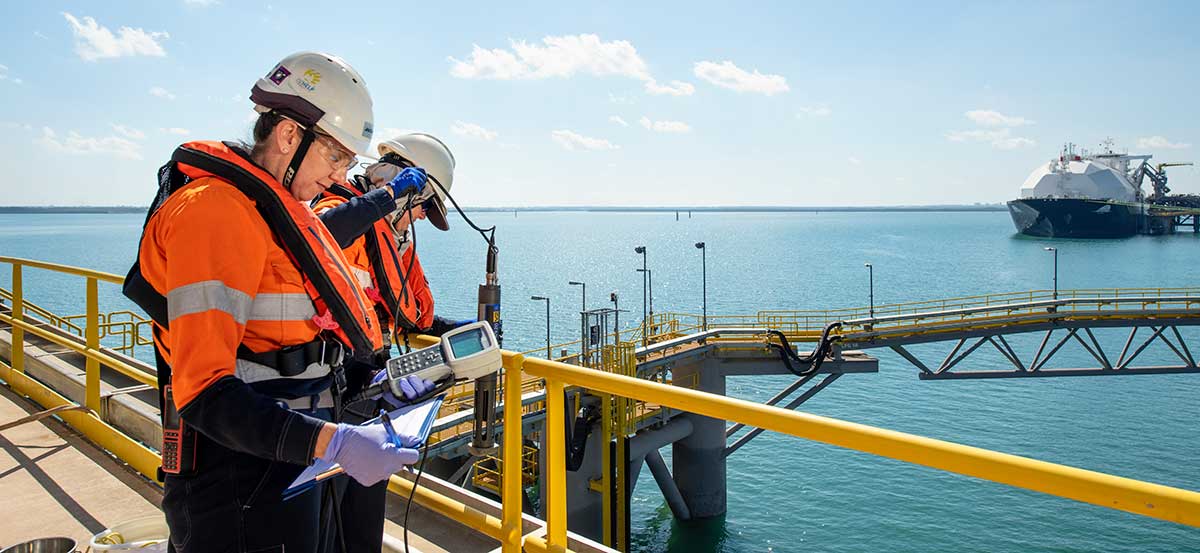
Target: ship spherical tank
{"x": 1078, "y": 179}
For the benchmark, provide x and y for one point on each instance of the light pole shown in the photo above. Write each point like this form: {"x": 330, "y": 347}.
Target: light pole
{"x": 650, "y": 279}
{"x": 616, "y": 317}
{"x": 642, "y": 250}
{"x": 704, "y": 281}
{"x": 1055, "y": 250}
{"x": 871, "y": 280}
{"x": 547, "y": 300}
{"x": 583, "y": 304}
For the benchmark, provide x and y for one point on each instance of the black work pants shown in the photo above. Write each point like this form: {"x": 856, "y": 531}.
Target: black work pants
{"x": 234, "y": 504}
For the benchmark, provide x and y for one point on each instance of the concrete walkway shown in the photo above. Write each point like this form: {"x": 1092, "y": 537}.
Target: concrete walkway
{"x": 54, "y": 483}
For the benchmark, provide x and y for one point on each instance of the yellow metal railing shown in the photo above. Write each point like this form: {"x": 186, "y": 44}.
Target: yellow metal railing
{"x": 1148, "y": 499}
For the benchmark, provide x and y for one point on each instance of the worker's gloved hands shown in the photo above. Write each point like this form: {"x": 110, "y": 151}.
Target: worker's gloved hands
{"x": 412, "y": 387}
{"x": 410, "y": 180}
{"x": 464, "y": 322}
{"x": 367, "y": 453}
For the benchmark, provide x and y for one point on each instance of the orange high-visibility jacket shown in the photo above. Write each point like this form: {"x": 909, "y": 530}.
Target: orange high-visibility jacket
{"x": 228, "y": 281}
{"x": 396, "y": 282}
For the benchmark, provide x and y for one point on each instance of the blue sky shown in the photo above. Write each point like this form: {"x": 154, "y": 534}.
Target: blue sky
{"x": 615, "y": 103}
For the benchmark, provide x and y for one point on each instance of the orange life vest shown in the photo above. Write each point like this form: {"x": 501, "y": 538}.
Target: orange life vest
{"x": 385, "y": 275}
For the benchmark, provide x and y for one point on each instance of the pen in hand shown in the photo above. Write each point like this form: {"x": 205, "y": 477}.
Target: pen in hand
{"x": 387, "y": 425}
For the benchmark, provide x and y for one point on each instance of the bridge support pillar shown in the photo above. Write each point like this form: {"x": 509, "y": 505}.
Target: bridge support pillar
{"x": 699, "y": 459}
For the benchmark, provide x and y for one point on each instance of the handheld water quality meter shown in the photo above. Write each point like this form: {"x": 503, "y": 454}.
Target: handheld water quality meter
{"x": 465, "y": 353}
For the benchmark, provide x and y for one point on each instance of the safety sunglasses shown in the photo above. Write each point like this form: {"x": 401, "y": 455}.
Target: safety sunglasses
{"x": 340, "y": 158}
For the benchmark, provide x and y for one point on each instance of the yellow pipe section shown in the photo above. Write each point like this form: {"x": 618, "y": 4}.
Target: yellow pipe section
{"x": 556, "y": 461}
{"x": 511, "y": 480}
{"x": 92, "y": 374}
{"x": 77, "y": 271}
{"x": 18, "y": 312}
{"x": 1114, "y": 492}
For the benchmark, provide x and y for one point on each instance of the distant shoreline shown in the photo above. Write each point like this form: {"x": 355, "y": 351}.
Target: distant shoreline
{"x": 605, "y": 209}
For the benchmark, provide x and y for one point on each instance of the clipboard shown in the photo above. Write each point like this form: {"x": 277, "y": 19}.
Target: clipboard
{"x": 411, "y": 420}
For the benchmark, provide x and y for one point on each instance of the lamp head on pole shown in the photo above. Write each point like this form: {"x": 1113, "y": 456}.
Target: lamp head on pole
{"x": 1050, "y": 249}
{"x": 700, "y": 245}
{"x": 573, "y": 283}
{"x": 539, "y": 298}
{"x": 612, "y": 296}
{"x": 868, "y": 265}
{"x": 640, "y": 249}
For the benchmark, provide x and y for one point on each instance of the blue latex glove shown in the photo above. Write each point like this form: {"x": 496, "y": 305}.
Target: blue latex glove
{"x": 367, "y": 453}
{"x": 410, "y": 180}
{"x": 412, "y": 387}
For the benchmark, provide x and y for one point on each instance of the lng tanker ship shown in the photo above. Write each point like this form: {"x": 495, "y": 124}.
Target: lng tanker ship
{"x": 1085, "y": 195}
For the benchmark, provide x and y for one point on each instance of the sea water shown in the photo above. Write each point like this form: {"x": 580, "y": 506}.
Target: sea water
{"x": 789, "y": 494}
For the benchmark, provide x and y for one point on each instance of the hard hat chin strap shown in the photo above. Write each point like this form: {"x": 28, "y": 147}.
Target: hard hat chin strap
{"x": 306, "y": 140}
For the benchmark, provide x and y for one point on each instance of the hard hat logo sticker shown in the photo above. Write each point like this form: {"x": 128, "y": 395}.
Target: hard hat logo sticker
{"x": 279, "y": 74}
{"x": 311, "y": 78}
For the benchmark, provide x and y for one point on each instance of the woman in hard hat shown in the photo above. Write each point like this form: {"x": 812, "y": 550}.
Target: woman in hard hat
{"x": 387, "y": 267}
{"x": 255, "y": 308}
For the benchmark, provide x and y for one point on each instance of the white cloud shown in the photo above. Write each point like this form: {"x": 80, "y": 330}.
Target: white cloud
{"x": 74, "y": 143}
{"x": 93, "y": 41}
{"x": 463, "y": 128}
{"x": 161, "y": 93}
{"x": 989, "y": 118}
{"x": 14, "y": 125}
{"x": 564, "y": 57}
{"x": 1001, "y": 139}
{"x": 617, "y": 119}
{"x": 676, "y": 88}
{"x": 854, "y": 161}
{"x": 1161, "y": 143}
{"x": 40, "y": 35}
{"x": 728, "y": 75}
{"x": 574, "y": 141}
{"x": 814, "y": 111}
{"x": 4, "y": 76}
{"x": 176, "y": 130}
{"x": 557, "y": 56}
{"x": 129, "y": 132}
{"x": 665, "y": 126}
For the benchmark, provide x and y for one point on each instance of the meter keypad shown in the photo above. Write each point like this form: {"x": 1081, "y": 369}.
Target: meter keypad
{"x": 416, "y": 361}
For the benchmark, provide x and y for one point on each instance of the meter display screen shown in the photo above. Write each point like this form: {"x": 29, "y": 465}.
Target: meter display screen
{"x": 467, "y": 343}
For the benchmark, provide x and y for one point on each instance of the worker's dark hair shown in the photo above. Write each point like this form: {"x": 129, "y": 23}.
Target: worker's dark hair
{"x": 262, "y": 129}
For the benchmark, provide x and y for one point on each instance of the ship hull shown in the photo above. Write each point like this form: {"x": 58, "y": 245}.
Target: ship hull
{"x": 1074, "y": 218}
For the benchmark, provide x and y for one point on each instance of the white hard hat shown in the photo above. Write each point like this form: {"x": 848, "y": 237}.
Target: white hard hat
{"x": 427, "y": 152}
{"x": 322, "y": 90}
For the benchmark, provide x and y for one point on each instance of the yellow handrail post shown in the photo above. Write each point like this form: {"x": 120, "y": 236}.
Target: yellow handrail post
{"x": 606, "y": 412}
{"x": 511, "y": 476}
{"x": 556, "y": 459}
{"x": 92, "y": 397}
{"x": 18, "y": 313}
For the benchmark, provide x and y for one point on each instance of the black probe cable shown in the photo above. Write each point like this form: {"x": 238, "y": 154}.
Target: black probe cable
{"x": 788, "y": 355}
{"x": 413, "y": 491}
